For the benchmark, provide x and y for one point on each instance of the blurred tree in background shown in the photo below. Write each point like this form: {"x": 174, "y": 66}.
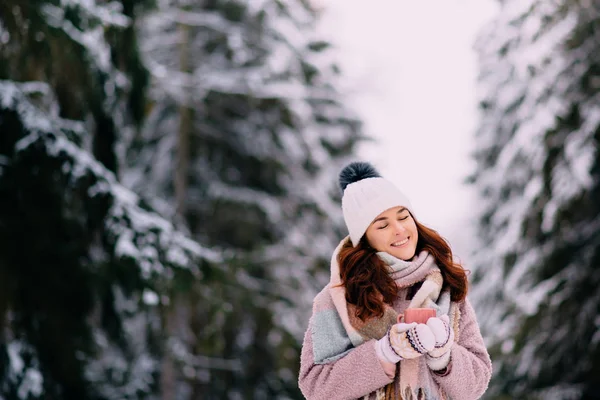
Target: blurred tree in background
{"x": 538, "y": 176}
{"x": 256, "y": 133}
{"x": 167, "y": 186}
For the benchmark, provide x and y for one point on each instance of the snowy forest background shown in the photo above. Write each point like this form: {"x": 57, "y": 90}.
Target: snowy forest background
{"x": 168, "y": 199}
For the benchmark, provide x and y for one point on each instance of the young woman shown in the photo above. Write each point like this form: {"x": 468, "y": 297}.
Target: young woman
{"x": 354, "y": 347}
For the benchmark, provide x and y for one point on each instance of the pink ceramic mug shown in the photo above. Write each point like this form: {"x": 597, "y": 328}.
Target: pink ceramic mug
{"x": 418, "y": 315}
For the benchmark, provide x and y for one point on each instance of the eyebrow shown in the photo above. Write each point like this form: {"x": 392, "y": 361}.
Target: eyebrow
{"x": 384, "y": 218}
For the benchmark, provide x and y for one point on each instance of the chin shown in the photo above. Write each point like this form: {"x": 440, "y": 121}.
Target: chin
{"x": 403, "y": 254}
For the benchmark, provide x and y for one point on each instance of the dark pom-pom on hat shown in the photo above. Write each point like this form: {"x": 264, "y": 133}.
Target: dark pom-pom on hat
{"x": 355, "y": 172}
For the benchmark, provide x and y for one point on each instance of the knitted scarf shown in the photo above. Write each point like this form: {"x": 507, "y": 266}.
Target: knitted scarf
{"x": 415, "y": 381}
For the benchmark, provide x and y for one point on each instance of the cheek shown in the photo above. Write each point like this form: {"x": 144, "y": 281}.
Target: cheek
{"x": 375, "y": 239}
{"x": 415, "y": 234}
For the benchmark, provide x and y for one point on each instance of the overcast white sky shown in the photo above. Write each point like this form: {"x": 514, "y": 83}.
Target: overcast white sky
{"x": 411, "y": 74}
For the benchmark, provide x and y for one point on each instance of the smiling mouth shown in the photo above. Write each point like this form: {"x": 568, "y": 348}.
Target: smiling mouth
{"x": 400, "y": 243}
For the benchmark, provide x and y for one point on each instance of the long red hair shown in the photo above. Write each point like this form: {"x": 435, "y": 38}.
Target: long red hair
{"x": 367, "y": 280}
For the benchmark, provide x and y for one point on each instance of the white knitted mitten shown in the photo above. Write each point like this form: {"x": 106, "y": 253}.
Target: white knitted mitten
{"x": 405, "y": 341}
{"x": 438, "y": 358}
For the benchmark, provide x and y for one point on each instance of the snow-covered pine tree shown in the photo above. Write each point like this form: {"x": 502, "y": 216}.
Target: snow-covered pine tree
{"x": 536, "y": 274}
{"x": 268, "y": 135}
{"x": 85, "y": 265}
{"x": 87, "y": 52}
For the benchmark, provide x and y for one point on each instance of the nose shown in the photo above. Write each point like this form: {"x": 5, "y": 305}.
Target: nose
{"x": 399, "y": 228}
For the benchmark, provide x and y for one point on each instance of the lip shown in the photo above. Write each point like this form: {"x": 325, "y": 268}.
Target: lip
{"x": 403, "y": 242}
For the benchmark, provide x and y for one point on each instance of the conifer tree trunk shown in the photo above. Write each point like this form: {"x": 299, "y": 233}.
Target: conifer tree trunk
{"x": 169, "y": 375}
{"x": 196, "y": 324}
{"x": 185, "y": 127}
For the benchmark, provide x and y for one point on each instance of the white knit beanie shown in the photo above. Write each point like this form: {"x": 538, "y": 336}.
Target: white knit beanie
{"x": 366, "y": 195}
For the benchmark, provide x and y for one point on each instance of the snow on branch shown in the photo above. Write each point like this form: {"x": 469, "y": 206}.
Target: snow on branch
{"x": 139, "y": 234}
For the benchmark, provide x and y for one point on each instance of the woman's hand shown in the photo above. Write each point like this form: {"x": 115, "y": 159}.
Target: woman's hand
{"x": 439, "y": 357}
{"x": 405, "y": 341}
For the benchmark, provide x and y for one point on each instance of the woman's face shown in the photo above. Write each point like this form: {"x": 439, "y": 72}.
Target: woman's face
{"x": 394, "y": 231}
